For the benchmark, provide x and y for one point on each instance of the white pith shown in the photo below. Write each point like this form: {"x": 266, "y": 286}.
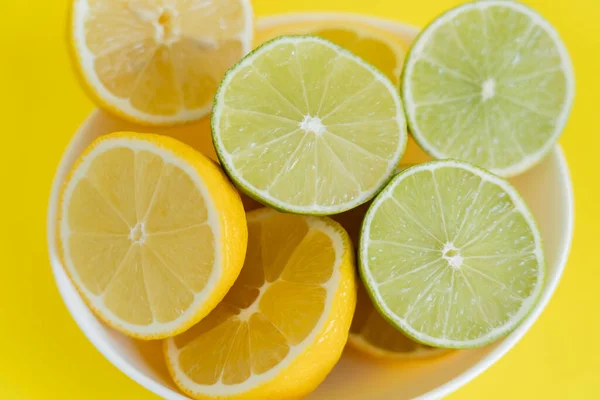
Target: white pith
{"x": 488, "y": 89}
{"x": 312, "y": 125}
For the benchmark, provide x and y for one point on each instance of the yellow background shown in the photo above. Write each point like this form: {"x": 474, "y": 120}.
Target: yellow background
{"x": 43, "y": 355}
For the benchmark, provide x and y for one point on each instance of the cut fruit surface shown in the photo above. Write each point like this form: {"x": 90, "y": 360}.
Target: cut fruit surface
{"x": 373, "y": 335}
{"x": 158, "y": 61}
{"x": 450, "y": 254}
{"x": 377, "y": 46}
{"x": 370, "y": 333}
{"x": 307, "y": 127}
{"x": 152, "y": 234}
{"x": 491, "y": 83}
{"x": 284, "y": 323}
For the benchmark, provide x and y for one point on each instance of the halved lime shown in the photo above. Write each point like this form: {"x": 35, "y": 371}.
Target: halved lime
{"x": 307, "y": 127}
{"x": 491, "y": 83}
{"x": 450, "y": 254}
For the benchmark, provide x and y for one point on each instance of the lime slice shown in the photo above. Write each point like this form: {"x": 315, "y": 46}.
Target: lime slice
{"x": 451, "y": 255}
{"x": 307, "y": 127}
{"x": 491, "y": 83}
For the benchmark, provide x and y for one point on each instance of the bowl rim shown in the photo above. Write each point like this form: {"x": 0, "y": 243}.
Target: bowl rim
{"x": 443, "y": 390}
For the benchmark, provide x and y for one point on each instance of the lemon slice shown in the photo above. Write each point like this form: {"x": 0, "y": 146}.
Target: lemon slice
{"x": 490, "y": 83}
{"x": 152, "y": 233}
{"x": 371, "y": 334}
{"x": 377, "y": 46}
{"x": 283, "y": 325}
{"x": 158, "y": 61}
{"x": 307, "y": 127}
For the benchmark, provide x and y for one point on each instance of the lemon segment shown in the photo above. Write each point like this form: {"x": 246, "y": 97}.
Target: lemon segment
{"x": 381, "y": 48}
{"x": 374, "y": 336}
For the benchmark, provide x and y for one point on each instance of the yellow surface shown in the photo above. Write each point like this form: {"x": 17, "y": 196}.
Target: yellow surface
{"x": 45, "y": 356}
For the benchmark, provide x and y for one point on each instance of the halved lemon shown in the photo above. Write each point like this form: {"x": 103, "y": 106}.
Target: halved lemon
{"x": 158, "y": 61}
{"x": 371, "y": 334}
{"x": 451, "y": 255}
{"x": 375, "y": 45}
{"x": 152, "y": 234}
{"x": 283, "y": 325}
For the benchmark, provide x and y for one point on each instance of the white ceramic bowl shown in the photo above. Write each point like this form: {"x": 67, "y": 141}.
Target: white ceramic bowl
{"x": 546, "y": 189}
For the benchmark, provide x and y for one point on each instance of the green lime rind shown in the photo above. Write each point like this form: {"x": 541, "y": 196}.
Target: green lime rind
{"x": 527, "y": 306}
{"x": 529, "y": 160}
{"x": 316, "y": 210}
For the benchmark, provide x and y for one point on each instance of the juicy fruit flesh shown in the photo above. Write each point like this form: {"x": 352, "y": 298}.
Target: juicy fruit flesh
{"x": 368, "y": 325}
{"x": 164, "y": 57}
{"x": 138, "y": 236}
{"x": 366, "y": 42}
{"x": 451, "y": 255}
{"x": 368, "y": 48}
{"x": 274, "y": 305}
{"x": 377, "y": 332}
{"x": 488, "y": 85}
{"x": 305, "y": 99}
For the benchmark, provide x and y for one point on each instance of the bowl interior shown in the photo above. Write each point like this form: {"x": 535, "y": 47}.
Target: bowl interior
{"x": 546, "y": 189}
